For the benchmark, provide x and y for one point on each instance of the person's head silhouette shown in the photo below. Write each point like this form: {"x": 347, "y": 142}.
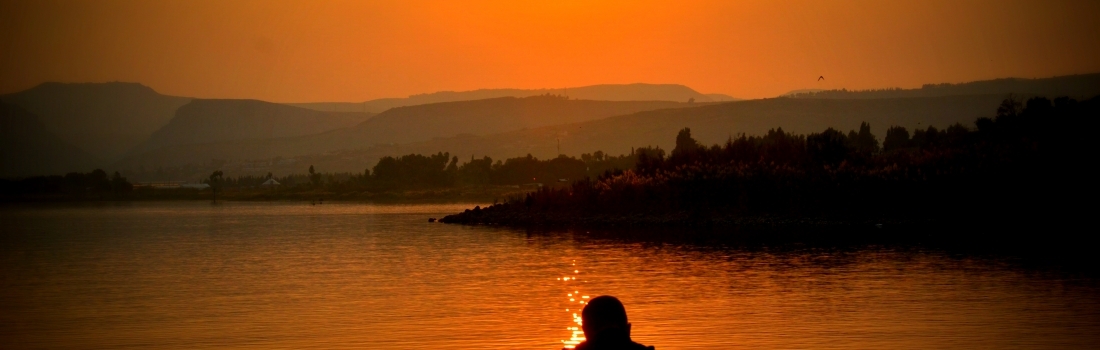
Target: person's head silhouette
{"x": 605, "y": 326}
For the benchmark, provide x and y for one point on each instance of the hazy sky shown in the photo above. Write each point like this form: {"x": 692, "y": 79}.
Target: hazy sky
{"x": 357, "y": 50}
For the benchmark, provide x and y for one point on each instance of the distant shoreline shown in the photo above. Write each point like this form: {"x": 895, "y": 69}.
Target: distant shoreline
{"x": 487, "y": 194}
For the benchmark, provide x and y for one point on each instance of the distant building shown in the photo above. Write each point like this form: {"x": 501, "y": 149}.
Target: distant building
{"x": 195, "y": 186}
{"x": 270, "y": 183}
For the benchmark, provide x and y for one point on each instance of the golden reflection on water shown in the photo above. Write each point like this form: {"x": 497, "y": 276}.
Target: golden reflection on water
{"x": 573, "y": 308}
{"x": 189, "y": 275}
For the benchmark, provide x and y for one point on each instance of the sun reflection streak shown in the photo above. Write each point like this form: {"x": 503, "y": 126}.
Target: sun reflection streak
{"x": 576, "y": 335}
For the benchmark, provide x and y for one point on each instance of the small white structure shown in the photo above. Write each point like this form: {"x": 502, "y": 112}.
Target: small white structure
{"x": 270, "y": 183}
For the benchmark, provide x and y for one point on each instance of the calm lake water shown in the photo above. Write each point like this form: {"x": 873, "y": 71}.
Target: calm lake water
{"x": 354, "y": 276}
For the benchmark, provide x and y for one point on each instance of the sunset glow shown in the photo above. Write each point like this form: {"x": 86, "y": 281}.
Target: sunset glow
{"x": 286, "y": 51}
{"x": 410, "y": 174}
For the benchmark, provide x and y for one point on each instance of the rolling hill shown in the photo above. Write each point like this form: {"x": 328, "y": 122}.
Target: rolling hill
{"x": 205, "y": 121}
{"x": 710, "y": 123}
{"x": 409, "y": 124}
{"x": 27, "y": 148}
{"x": 605, "y": 92}
{"x": 103, "y": 119}
{"x": 713, "y": 124}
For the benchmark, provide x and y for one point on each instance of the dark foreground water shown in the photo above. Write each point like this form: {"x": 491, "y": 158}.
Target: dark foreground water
{"x": 353, "y": 276}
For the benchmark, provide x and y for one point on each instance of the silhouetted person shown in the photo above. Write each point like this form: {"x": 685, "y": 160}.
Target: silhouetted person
{"x": 605, "y": 327}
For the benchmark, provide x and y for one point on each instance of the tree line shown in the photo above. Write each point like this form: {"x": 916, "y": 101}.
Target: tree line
{"x": 443, "y": 170}
{"x": 95, "y": 184}
{"x": 1021, "y": 154}
{"x": 1026, "y": 161}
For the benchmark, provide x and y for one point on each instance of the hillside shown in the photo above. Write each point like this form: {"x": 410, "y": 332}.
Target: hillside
{"x": 605, "y": 92}
{"x": 1077, "y": 86}
{"x": 205, "y": 121}
{"x": 411, "y": 124}
{"x": 27, "y": 148}
{"x": 715, "y": 123}
{"x": 103, "y": 119}
{"x": 710, "y": 123}
{"x": 484, "y": 117}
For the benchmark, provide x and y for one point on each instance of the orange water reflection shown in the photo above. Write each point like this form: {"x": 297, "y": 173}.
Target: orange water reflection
{"x": 166, "y": 275}
{"x": 573, "y": 307}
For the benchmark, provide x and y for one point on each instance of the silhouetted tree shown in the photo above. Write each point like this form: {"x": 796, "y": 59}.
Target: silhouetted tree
{"x": 414, "y": 170}
{"x": 119, "y": 183}
{"x": 685, "y": 144}
{"x": 476, "y": 171}
{"x": 1009, "y": 109}
{"x": 828, "y": 147}
{"x": 863, "y": 142}
{"x": 314, "y": 177}
{"x": 897, "y": 137}
{"x": 215, "y": 181}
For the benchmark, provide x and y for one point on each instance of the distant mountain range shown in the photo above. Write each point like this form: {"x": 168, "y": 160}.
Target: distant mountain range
{"x": 57, "y": 128}
{"x": 413, "y": 124}
{"x": 110, "y": 121}
{"x": 710, "y": 124}
{"x": 607, "y": 92}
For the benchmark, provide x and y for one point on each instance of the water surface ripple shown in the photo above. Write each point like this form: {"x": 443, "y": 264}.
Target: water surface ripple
{"x": 189, "y": 275}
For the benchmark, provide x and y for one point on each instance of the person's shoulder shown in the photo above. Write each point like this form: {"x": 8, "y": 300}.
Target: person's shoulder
{"x": 642, "y": 347}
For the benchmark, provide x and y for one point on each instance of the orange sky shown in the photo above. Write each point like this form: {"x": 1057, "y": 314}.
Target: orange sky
{"x": 356, "y": 50}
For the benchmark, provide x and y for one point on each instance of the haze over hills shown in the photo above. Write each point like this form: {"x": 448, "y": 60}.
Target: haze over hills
{"x": 27, "y": 148}
{"x": 104, "y": 119}
{"x": 484, "y": 117}
{"x": 604, "y": 92}
{"x": 722, "y": 98}
{"x": 710, "y": 123}
{"x": 413, "y": 124}
{"x": 257, "y": 132}
{"x": 713, "y": 124}
{"x": 1077, "y": 86}
{"x": 204, "y": 121}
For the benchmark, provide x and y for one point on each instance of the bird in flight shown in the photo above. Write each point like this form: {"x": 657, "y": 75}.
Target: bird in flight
{"x": 820, "y": 78}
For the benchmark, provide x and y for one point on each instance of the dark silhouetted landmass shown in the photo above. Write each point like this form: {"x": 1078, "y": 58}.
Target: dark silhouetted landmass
{"x": 103, "y": 119}
{"x": 206, "y": 121}
{"x": 606, "y": 92}
{"x": 1025, "y": 166}
{"x": 27, "y": 148}
{"x": 1075, "y": 86}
